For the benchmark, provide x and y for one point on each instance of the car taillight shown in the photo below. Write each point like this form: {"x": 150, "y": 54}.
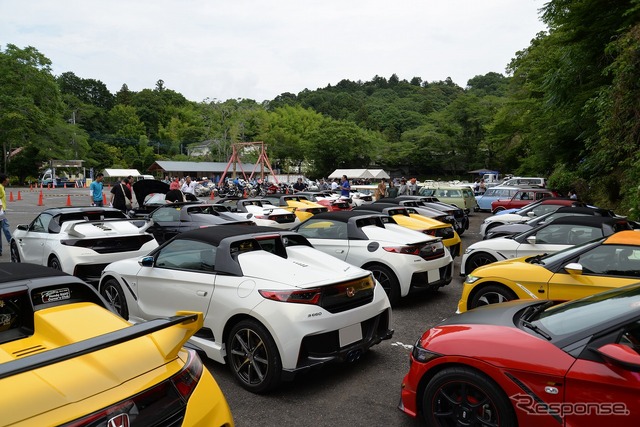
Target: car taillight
{"x": 430, "y": 232}
{"x": 307, "y": 296}
{"x": 407, "y": 250}
{"x": 187, "y": 380}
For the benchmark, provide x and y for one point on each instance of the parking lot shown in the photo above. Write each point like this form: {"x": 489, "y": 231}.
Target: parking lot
{"x": 364, "y": 393}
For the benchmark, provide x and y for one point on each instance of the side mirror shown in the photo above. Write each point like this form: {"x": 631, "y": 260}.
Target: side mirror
{"x": 621, "y": 355}
{"x": 573, "y": 268}
{"x": 23, "y": 227}
{"x": 531, "y": 214}
{"x": 146, "y": 261}
{"x": 531, "y": 240}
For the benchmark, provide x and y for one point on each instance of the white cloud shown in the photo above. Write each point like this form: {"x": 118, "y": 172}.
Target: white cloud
{"x": 260, "y": 49}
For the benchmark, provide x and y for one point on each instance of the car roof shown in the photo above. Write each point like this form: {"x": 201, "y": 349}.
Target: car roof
{"x": 585, "y": 210}
{"x": 378, "y": 207}
{"x": 594, "y": 221}
{"x": 344, "y": 216}
{"x": 16, "y": 271}
{"x": 216, "y": 234}
{"x": 625, "y": 237}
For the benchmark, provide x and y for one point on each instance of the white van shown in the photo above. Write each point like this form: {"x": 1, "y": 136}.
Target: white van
{"x": 518, "y": 181}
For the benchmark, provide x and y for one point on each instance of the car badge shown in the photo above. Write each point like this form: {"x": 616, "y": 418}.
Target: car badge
{"x": 351, "y": 292}
{"x": 120, "y": 420}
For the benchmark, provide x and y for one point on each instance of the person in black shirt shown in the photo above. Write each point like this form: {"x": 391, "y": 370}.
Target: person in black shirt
{"x": 299, "y": 186}
{"x": 120, "y": 195}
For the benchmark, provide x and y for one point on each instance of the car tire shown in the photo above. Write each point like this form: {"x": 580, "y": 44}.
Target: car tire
{"x": 498, "y": 209}
{"x": 54, "y": 263}
{"x": 253, "y": 357}
{"x": 113, "y": 293}
{"x": 478, "y": 260}
{"x": 492, "y": 294}
{"x": 462, "y": 396}
{"x": 14, "y": 252}
{"x": 388, "y": 280}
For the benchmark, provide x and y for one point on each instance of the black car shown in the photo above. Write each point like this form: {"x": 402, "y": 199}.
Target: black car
{"x": 150, "y": 194}
{"x": 175, "y": 218}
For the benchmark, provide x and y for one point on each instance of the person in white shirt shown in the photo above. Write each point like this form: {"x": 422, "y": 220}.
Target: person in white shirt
{"x": 189, "y": 186}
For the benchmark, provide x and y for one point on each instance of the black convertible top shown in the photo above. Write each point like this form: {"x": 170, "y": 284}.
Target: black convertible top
{"x": 14, "y": 271}
{"x": 216, "y": 234}
{"x": 344, "y": 216}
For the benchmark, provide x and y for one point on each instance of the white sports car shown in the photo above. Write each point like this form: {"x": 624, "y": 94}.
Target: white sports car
{"x": 264, "y": 213}
{"x": 402, "y": 260}
{"x": 273, "y": 304}
{"x": 81, "y": 240}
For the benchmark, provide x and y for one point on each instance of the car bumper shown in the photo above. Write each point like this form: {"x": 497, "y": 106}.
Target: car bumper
{"x": 433, "y": 279}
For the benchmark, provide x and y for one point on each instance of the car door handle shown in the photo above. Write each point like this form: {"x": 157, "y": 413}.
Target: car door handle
{"x": 202, "y": 293}
{"x": 339, "y": 251}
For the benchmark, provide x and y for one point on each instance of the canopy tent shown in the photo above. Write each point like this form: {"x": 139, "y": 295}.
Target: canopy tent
{"x": 482, "y": 171}
{"x": 359, "y": 173}
{"x": 121, "y": 172}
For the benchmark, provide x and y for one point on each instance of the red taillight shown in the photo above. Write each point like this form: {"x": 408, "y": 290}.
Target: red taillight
{"x": 187, "y": 380}
{"x": 430, "y": 232}
{"x": 407, "y": 250}
{"x": 307, "y": 296}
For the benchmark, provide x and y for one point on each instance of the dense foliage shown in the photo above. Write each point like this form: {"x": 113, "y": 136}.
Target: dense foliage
{"x": 567, "y": 109}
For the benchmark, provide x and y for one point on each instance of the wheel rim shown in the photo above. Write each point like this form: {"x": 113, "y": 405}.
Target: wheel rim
{"x": 463, "y": 404}
{"x": 479, "y": 261}
{"x": 492, "y": 298}
{"x": 15, "y": 256}
{"x": 384, "y": 279}
{"x": 249, "y": 357}
{"x": 113, "y": 297}
{"x": 54, "y": 263}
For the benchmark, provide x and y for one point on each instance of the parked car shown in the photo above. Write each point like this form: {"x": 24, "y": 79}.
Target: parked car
{"x": 80, "y": 240}
{"x": 172, "y": 219}
{"x": 68, "y": 359}
{"x": 419, "y": 206}
{"x": 531, "y": 210}
{"x": 461, "y": 217}
{"x": 401, "y": 260}
{"x": 526, "y": 181}
{"x": 522, "y": 198}
{"x": 461, "y": 197}
{"x": 492, "y": 194}
{"x": 261, "y": 212}
{"x": 273, "y": 305}
{"x": 512, "y": 228}
{"x": 575, "y": 272}
{"x": 530, "y": 364}
{"x": 547, "y": 238}
{"x": 418, "y": 222}
{"x": 299, "y": 205}
{"x": 332, "y": 201}
{"x": 150, "y": 195}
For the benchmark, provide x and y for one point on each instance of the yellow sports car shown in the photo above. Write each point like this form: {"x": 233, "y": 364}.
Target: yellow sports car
{"x": 414, "y": 221}
{"x": 300, "y": 205}
{"x": 67, "y": 359}
{"x": 576, "y": 272}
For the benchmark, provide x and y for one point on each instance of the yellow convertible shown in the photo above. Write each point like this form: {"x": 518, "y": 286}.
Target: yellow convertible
{"x": 67, "y": 359}
{"x": 576, "y": 272}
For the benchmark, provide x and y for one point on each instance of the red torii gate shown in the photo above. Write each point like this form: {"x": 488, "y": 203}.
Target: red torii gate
{"x": 263, "y": 161}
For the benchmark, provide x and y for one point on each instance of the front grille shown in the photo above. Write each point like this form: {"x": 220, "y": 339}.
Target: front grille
{"x": 110, "y": 245}
{"x": 348, "y": 295}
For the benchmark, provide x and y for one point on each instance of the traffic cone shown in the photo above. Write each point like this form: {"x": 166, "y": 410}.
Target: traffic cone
{"x": 19, "y": 196}
{"x": 104, "y": 199}
{"x": 11, "y": 196}
{"x": 40, "y": 199}
{"x": 68, "y": 200}
{"x": 211, "y": 195}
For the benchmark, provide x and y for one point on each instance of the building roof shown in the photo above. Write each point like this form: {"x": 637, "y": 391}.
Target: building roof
{"x": 213, "y": 167}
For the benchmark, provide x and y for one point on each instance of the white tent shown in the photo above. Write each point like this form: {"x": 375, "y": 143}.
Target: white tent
{"x": 121, "y": 172}
{"x": 359, "y": 173}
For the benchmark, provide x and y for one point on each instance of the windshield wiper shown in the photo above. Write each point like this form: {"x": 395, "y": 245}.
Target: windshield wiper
{"x": 533, "y": 310}
{"x": 536, "y": 329}
{"x": 536, "y": 259}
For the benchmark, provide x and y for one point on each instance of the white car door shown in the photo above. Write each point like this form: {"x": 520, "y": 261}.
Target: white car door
{"x": 182, "y": 278}
{"x": 557, "y": 237}
{"x": 32, "y": 242}
{"x": 328, "y": 236}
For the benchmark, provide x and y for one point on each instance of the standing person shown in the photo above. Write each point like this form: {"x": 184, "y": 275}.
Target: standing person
{"x": 120, "y": 195}
{"x": 404, "y": 188}
{"x": 189, "y": 186}
{"x": 4, "y": 223}
{"x": 413, "y": 187}
{"x": 345, "y": 188}
{"x": 95, "y": 191}
{"x": 393, "y": 190}
{"x": 381, "y": 190}
{"x": 573, "y": 195}
{"x": 334, "y": 185}
{"x": 174, "y": 195}
{"x": 299, "y": 186}
{"x": 482, "y": 187}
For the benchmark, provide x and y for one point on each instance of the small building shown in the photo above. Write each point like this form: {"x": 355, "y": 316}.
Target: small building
{"x": 209, "y": 170}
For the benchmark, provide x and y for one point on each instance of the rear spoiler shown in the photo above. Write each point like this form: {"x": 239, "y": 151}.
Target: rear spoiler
{"x": 73, "y": 232}
{"x": 191, "y": 322}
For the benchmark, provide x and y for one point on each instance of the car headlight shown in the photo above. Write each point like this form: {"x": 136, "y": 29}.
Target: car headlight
{"x": 421, "y": 354}
{"x": 471, "y": 279}
{"x": 469, "y": 250}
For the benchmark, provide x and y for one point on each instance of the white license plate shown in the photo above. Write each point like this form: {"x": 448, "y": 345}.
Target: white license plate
{"x": 350, "y": 334}
{"x": 433, "y": 275}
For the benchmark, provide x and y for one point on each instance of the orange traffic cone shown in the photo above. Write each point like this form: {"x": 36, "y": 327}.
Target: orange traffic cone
{"x": 11, "y": 196}
{"x": 40, "y": 199}
{"x": 104, "y": 199}
{"x": 68, "y": 200}
{"x": 19, "y": 196}
{"x": 211, "y": 195}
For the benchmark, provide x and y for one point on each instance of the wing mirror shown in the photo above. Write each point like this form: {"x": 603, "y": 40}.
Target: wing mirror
{"x": 620, "y": 355}
{"x": 573, "y": 268}
{"x": 146, "y": 261}
{"x": 23, "y": 227}
{"x": 531, "y": 214}
{"x": 531, "y": 240}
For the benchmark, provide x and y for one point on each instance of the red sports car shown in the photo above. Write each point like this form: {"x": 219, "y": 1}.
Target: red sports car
{"x": 531, "y": 363}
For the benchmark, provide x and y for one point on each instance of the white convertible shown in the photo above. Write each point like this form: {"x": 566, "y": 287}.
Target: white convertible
{"x": 81, "y": 240}
{"x": 273, "y": 304}
{"x": 401, "y": 259}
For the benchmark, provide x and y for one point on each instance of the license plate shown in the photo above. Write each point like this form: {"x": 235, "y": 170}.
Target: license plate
{"x": 433, "y": 275}
{"x": 350, "y": 334}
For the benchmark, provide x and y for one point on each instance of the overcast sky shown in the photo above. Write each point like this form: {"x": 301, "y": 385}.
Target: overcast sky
{"x": 259, "y": 49}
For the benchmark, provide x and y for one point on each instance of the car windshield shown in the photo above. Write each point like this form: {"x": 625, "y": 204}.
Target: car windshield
{"x": 565, "y": 253}
{"x": 586, "y": 313}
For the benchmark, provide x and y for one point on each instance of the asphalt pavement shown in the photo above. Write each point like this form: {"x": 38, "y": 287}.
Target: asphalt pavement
{"x": 363, "y": 393}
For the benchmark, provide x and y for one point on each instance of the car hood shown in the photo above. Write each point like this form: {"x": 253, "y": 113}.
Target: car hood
{"x": 55, "y": 392}
{"x": 498, "y": 244}
{"x": 110, "y": 228}
{"x": 512, "y": 217}
{"x": 304, "y": 267}
{"x": 144, "y": 187}
{"x": 516, "y": 270}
